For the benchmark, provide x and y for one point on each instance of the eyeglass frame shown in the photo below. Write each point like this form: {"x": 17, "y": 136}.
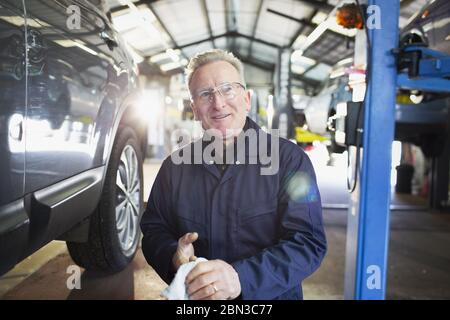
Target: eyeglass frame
{"x": 216, "y": 89}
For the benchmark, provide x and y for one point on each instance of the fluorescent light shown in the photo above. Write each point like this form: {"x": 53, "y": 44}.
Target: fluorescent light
{"x": 146, "y": 20}
{"x": 65, "y": 43}
{"x": 82, "y": 46}
{"x": 173, "y": 55}
{"x": 319, "y": 17}
{"x": 125, "y": 22}
{"x": 299, "y": 41}
{"x": 345, "y": 61}
{"x": 158, "y": 57}
{"x": 18, "y": 21}
{"x": 297, "y": 69}
{"x": 327, "y": 23}
{"x": 166, "y": 56}
{"x": 71, "y": 43}
{"x": 313, "y": 36}
{"x": 333, "y": 25}
{"x": 170, "y": 66}
{"x": 298, "y": 58}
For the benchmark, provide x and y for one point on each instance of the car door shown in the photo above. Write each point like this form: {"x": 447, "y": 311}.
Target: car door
{"x": 13, "y": 217}
{"x": 12, "y": 100}
{"x": 73, "y": 89}
{"x": 69, "y": 82}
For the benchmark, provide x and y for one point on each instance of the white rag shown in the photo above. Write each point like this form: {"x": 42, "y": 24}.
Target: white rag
{"x": 177, "y": 289}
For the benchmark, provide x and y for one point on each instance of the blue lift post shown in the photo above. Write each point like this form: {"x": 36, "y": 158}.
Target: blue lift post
{"x": 368, "y": 216}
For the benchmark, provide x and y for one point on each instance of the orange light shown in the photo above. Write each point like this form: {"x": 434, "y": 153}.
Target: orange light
{"x": 349, "y": 16}
{"x": 425, "y": 14}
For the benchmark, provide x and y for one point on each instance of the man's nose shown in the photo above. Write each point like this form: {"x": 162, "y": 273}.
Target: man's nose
{"x": 218, "y": 101}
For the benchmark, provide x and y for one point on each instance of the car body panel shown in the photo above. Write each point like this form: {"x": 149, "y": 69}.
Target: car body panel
{"x": 318, "y": 108}
{"x": 14, "y": 221}
{"x": 431, "y": 26}
{"x": 78, "y": 74}
{"x": 12, "y": 101}
{"x": 61, "y": 106}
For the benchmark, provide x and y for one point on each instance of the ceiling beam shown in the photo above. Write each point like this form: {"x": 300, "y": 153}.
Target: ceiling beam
{"x": 137, "y": 4}
{"x": 324, "y": 6}
{"x": 300, "y": 30}
{"x": 200, "y": 41}
{"x": 258, "y": 14}
{"x": 241, "y": 35}
{"x": 271, "y": 67}
{"x": 150, "y": 6}
{"x": 208, "y": 21}
{"x": 267, "y": 66}
{"x": 230, "y": 22}
{"x": 309, "y": 23}
{"x": 257, "y": 63}
{"x": 302, "y": 27}
{"x": 227, "y": 27}
{"x": 302, "y": 21}
{"x": 306, "y": 23}
{"x": 319, "y": 61}
{"x": 230, "y": 35}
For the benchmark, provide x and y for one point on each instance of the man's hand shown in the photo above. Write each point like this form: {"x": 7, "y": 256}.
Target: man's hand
{"x": 185, "y": 250}
{"x": 213, "y": 280}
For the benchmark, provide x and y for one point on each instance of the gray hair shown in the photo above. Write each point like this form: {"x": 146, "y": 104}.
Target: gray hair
{"x": 213, "y": 55}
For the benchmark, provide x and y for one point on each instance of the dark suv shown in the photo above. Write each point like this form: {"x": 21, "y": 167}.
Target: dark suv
{"x": 71, "y": 137}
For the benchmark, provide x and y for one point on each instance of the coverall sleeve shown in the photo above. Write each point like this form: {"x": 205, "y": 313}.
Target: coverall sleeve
{"x": 159, "y": 241}
{"x": 302, "y": 241}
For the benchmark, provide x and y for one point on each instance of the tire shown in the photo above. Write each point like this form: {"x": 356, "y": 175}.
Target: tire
{"x": 113, "y": 241}
{"x": 433, "y": 146}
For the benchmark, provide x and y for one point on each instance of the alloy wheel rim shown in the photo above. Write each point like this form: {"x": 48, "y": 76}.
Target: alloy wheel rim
{"x": 128, "y": 189}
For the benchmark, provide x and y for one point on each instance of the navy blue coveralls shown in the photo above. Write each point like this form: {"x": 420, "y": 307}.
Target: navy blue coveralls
{"x": 268, "y": 227}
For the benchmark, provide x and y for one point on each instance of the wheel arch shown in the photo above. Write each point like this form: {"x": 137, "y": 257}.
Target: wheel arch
{"x": 129, "y": 115}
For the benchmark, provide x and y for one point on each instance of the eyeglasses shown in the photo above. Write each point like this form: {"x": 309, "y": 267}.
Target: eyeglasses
{"x": 227, "y": 90}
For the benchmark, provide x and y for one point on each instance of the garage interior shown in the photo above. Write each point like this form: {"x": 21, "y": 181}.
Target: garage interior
{"x": 414, "y": 221}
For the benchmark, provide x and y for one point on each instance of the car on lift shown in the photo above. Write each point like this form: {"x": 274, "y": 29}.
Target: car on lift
{"x": 429, "y": 27}
{"x": 423, "y": 117}
{"x": 72, "y": 139}
{"x": 319, "y": 108}
{"x": 417, "y": 123}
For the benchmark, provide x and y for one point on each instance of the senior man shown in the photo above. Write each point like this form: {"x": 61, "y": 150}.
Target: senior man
{"x": 261, "y": 233}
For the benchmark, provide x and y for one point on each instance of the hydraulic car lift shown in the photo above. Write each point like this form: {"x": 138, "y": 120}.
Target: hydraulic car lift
{"x": 429, "y": 70}
{"x": 369, "y": 208}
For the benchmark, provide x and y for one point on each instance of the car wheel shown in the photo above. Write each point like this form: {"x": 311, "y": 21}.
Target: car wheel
{"x": 114, "y": 226}
{"x": 433, "y": 146}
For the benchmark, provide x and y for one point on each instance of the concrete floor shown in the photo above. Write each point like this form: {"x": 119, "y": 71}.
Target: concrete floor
{"x": 419, "y": 261}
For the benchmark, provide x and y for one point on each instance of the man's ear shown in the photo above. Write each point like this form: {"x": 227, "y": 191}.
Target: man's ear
{"x": 247, "y": 100}
{"x": 194, "y": 111}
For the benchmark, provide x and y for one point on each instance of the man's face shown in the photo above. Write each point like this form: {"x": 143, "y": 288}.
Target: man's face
{"x": 219, "y": 112}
